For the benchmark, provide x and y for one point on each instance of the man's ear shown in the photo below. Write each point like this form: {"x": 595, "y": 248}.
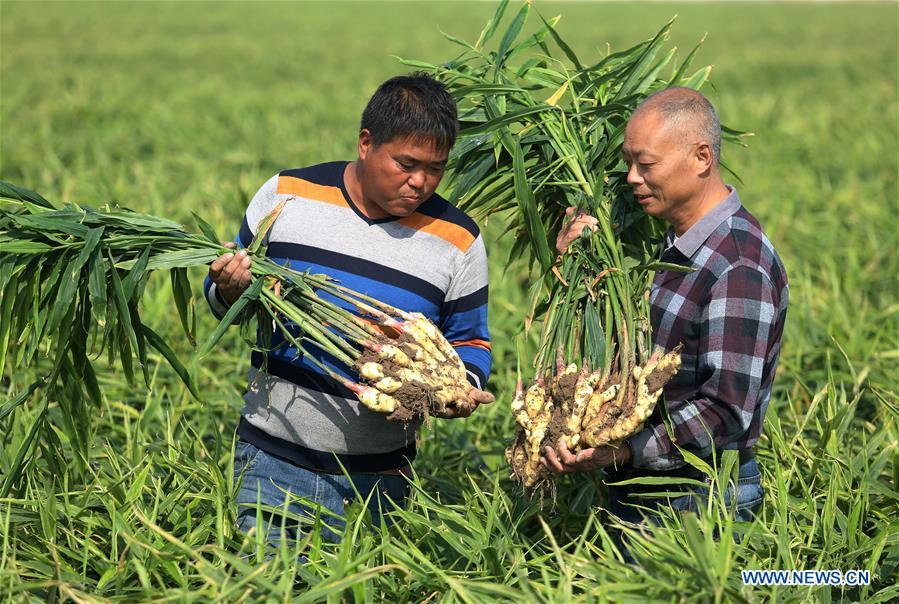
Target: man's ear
{"x": 365, "y": 144}
{"x": 703, "y": 156}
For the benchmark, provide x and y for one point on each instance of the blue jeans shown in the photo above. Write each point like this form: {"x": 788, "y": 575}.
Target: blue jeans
{"x": 744, "y": 498}
{"x": 267, "y": 479}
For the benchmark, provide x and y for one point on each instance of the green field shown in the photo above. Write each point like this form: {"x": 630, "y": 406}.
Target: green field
{"x": 169, "y": 108}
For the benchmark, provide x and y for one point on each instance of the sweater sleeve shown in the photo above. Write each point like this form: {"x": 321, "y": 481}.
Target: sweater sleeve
{"x": 463, "y": 317}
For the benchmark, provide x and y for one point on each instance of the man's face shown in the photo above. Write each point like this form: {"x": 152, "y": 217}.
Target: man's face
{"x": 401, "y": 174}
{"x": 661, "y": 167}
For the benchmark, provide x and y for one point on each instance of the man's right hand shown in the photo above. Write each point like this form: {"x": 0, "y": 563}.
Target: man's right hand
{"x": 466, "y": 408}
{"x": 231, "y": 273}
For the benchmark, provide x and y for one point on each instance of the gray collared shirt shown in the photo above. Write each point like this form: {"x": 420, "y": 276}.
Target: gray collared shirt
{"x": 696, "y": 235}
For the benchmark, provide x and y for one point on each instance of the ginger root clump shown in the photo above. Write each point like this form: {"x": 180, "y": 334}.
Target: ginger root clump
{"x": 409, "y": 370}
{"x": 584, "y": 410}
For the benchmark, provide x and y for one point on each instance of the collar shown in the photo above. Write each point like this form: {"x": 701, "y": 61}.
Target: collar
{"x": 688, "y": 243}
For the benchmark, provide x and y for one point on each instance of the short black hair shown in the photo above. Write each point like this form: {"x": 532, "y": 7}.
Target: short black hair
{"x": 412, "y": 106}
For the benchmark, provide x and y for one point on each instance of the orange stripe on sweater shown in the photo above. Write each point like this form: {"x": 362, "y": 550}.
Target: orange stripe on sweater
{"x": 449, "y": 232}
{"x": 288, "y": 185}
{"x": 479, "y": 343}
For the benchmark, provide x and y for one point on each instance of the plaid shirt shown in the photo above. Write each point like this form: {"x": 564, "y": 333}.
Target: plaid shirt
{"x": 729, "y": 314}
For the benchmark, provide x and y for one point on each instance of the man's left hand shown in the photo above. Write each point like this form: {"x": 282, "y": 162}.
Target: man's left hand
{"x": 467, "y": 407}
{"x": 563, "y": 461}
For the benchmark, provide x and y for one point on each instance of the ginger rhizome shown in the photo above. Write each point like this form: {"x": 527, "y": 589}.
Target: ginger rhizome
{"x": 584, "y": 410}
{"x": 407, "y": 368}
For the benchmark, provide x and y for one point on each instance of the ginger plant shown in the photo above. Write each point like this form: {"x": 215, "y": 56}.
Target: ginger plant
{"x": 71, "y": 282}
{"x": 542, "y": 133}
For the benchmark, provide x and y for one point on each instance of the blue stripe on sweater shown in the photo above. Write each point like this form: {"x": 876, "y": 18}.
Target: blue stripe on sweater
{"x": 477, "y": 360}
{"x": 468, "y": 325}
{"x": 349, "y": 265}
{"x": 472, "y": 300}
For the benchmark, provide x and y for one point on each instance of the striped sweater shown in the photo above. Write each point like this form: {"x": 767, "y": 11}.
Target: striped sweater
{"x": 432, "y": 261}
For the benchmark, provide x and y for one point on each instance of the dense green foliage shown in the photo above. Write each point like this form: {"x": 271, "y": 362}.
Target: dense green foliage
{"x": 540, "y": 132}
{"x": 171, "y": 108}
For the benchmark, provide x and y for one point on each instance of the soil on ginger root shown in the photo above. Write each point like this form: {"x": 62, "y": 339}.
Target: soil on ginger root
{"x": 404, "y": 341}
{"x": 413, "y": 399}
{"x": 556, "y": 428}
{"x": 391, "y": 369}
{"x": 554, "y": 432}
{"x": 563, "y": 389}
{"x": 535, "y": 476}
{"x": 535, "y": 481}
{"x": 611, "y": 414}
{"x": 518, "y": 462}
{"x": 660, "y": 377}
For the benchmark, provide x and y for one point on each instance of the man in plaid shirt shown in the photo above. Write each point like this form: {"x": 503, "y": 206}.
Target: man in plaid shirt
{"x": 728, "y": 311}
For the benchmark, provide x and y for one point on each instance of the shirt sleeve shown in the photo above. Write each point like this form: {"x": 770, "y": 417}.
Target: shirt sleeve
{"x": 463, "y": 317}
{"x": 735, "y": 329}
{"x": 263, "y": 202}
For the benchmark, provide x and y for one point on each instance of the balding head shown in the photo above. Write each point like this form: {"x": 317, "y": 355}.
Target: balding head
{"x": 687, "y": 112}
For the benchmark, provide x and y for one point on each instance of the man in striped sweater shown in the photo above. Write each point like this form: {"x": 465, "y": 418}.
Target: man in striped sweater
{"x": 378, "y": 226}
